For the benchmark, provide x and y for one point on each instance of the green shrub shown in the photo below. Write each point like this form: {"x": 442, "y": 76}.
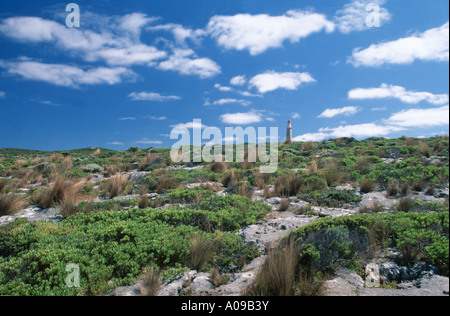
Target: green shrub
{"x": 419, "y": 236}
{"x": 330, "y": 198}
{"x": 187, "y": 195}
{"x": 110, "y": 248}
{"x": 93, "y": 168}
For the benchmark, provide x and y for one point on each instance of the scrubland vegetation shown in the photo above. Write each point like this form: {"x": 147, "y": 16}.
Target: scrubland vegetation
{"x": 161, "y": 226}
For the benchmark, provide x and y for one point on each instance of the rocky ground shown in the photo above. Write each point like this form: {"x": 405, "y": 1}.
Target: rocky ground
{"x": 267, "y": 233}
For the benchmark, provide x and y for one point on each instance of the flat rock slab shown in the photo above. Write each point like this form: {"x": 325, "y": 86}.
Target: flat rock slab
{"x": 333, "y": 212}
{"x": 240, "y": 282}
{"x": 34, "y": 214}
{"x": 369, "y": 199}
{"x": 348, "y": 283}
{"x": 267, "y": 234}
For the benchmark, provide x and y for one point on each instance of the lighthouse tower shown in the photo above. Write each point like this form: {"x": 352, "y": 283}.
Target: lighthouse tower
{"x": 289, "y": 133}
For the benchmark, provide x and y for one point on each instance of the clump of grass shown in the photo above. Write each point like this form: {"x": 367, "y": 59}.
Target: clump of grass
{"x": 149, "y": 160}
{"x": 425, "y": 149}
{"x": 166, "y": 182}
{"x": 218, "y": 279}
{"x": 3, "y": 184}
{"x": 393, "y": 189}
{"x": 333, "y": 173}
{"x": 288, "y": 185}
{"x": 418, "y": 186}
{"x": 229, "y": 179}
{"x": 63, "y": 191}
{"x": 65, "y": 165}
{"x": 143, "y": 201}
{"x": 55, "y": 157}
{"x": 376, "y": 207}
{"x": 10, "y": 204}
{"x": 267, "y": 192}
{"x": 405, "y": 205}
{"x": 277, "y": 276}
{"x": 284, "y": 205}
{"x": 262, "y": 179}
{"x": 218, "y": 167}
{"x": 68, "y": 206}
{"x": 116, "y": 186}
{"x": 20, "y": 163}
{"x": 151, "y": 282}
{"x": 363, "y": 165}
{"x": 405, "y": 189}
{"x": 307, "y": 146}
{"x": 367, "y": 185}
{"x": 202, "y": 251}
{"x": 243, "y": 188}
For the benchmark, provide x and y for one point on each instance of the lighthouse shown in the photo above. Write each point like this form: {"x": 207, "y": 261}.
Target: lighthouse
{"x": 289, "y": 133}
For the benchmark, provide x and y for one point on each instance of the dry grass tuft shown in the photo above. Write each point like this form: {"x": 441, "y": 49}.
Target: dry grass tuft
{"x": 284, "y": 205}
{"x": 151, "y": 282}
{"x": 229, "y": 179}
{"x": 287, "y": 185}
{"x": 278, "y": 274}
{"x": 116, "y": 186}
{"x": 55, "y": 157}
{"x": 405, "y": 205}
{"x": 143, "y": 201}
{"x": 166, "y": 182}
{"x": 10, "y": 204}
{"x": 262, "y": 179}
{"x": 218, "y": 167}
{"x": 64, "y": 191}
{"x": 219, "y": 279}
{"x": 202, "y": 251}
{"x": 3, "y": 184}
{"x": 367, "y": 185}
{"x": 307, "y": 146}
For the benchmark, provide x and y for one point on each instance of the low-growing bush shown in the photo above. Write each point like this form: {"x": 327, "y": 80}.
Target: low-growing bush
{"x": 185, "y": 195}
{"x": 330, "y": 198}
{"x": 110, "y": 248}
{"x": 419, "y": 236}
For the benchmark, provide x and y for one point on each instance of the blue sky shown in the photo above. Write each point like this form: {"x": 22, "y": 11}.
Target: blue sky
{"x": 134, "y": 70}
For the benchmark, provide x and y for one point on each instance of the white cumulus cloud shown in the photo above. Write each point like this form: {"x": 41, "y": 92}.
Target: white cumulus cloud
{"x": 271, "y": 80}
{"x": 186, "y": 62}
{"x": 346, "y": 111}
{"x": 258, "y": 33}
{"x": 242, "y": 118}
{"x": 353, "y": 17}
{"x": 152, "y": 96}
{"x": 432, "y": 45}
{"x": 397, "y": 92}
{"x": 420, "y": 117}
{"x": 232, "y": 101}
{"x": 65, "y": 75}
{"x": 238, "y": 81}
